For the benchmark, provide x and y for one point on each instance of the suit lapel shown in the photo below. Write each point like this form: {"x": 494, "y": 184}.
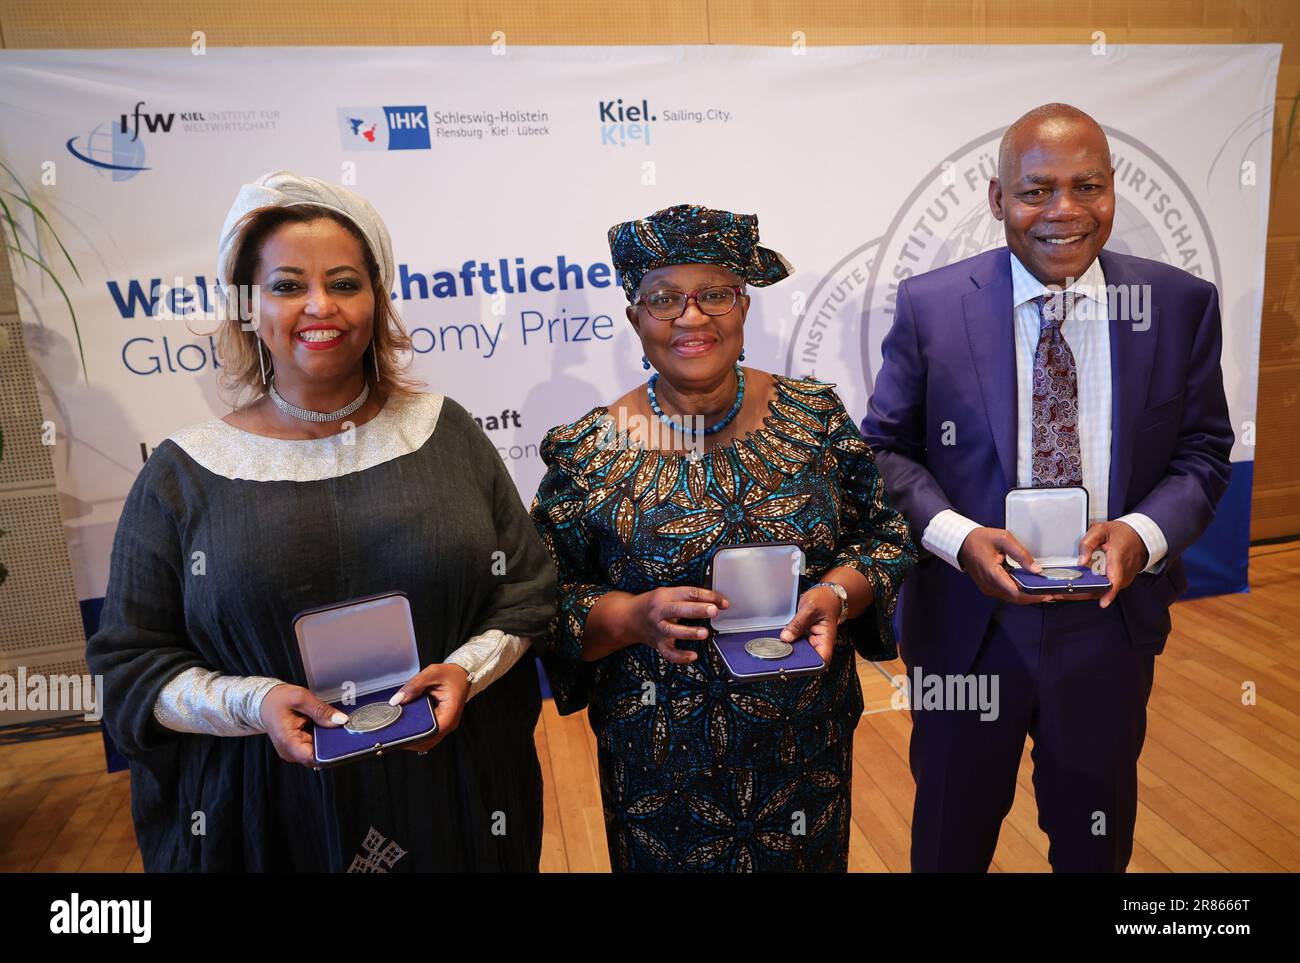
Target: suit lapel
{"x": 991, "y": 332}
{"x": 1132, "y": 354}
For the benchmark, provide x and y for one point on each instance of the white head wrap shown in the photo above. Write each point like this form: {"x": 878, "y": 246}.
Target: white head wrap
{"x": 286, "y": 189}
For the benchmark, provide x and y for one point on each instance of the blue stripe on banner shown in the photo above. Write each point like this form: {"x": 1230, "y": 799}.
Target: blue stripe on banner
{"x": 1217, "y": 563}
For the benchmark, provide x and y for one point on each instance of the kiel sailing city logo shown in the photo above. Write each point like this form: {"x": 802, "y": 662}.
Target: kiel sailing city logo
{"x": 623, "y": 125}
{"x": 947, "y": 218}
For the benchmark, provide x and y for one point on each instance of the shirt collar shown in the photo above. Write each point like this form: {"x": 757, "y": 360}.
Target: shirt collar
{"x": 1026, "y": 287}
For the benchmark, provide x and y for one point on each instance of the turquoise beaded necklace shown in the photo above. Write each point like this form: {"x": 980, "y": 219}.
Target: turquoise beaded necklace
{"x": 677, "y": 425}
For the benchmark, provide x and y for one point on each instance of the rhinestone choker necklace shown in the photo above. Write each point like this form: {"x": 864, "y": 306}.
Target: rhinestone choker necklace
{"x": 302, "y": 414}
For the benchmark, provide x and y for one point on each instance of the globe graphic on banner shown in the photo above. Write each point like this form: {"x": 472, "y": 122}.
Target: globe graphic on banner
{"x": 108, "y": 145}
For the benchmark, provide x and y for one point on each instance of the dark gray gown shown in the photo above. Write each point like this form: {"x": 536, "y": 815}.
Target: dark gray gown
{"x": 398, "y": 511}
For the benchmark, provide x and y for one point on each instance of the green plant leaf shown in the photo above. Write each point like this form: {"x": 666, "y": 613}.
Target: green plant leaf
{"x": 14, "y": 177}
{"x": 13, "y": 225}
{"x": 67, "y": 300}
{"x": 26, "y": 198}
{"x": 10, "y": 171}
{"x": 53, "y": 233}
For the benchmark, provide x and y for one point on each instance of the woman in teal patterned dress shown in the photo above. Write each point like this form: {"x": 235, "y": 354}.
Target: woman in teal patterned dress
{"x": 699, "y": 771}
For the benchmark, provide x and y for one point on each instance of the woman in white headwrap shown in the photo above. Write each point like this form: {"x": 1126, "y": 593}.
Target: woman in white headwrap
{"x": 332, "y": 479}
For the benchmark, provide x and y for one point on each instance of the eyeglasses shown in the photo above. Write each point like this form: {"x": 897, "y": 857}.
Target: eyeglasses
{"x": 671, "y": 305}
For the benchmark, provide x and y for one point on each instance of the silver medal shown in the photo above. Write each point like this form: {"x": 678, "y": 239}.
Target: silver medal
{"x": 1062, "y": 574}
{"x": 372, "y": 717}
{"x": 768, "y": 648}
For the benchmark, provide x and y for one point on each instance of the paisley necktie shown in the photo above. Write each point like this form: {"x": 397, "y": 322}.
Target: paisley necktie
{"x": 1057, "y": 459}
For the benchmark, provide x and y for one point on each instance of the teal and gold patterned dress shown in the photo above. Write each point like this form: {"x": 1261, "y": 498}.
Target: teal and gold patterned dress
{"x": 698, "y": 771}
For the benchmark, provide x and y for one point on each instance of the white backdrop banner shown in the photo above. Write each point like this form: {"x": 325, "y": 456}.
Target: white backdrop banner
{"x": 499, "y": 171}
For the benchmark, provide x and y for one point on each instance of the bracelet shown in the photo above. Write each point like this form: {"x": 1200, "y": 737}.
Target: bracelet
{"x": 841, "y": 592}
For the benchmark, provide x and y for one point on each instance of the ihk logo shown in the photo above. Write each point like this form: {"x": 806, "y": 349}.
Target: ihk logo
{"x": 384, "y": 128}
{"x": 154, "y": 122}
{"x": 621, "y": 125}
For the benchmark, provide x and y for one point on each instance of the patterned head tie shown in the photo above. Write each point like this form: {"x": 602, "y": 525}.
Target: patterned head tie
{"x": 691, "y": 234}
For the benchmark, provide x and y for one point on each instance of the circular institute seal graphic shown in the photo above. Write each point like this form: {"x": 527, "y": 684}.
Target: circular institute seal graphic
{"x": 946, "y": 218}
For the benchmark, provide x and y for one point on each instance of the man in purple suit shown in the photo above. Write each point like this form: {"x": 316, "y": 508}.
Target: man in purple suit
{"x": 1048, "y": 362}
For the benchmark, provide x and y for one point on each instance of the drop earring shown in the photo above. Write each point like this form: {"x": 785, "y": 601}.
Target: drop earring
{"x": 645, "y": 362}
{"x": 374, "y": 352}
{"x": 261, "y": 362}
{"x": 742, "y": 354}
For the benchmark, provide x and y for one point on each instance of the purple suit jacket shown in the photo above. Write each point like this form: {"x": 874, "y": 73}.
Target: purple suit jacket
{"x": 950, "y": 357}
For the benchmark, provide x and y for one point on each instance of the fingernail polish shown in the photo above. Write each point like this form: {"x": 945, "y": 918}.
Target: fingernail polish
{"x": 397, "y": 697}
{"x": 338, "y": 718}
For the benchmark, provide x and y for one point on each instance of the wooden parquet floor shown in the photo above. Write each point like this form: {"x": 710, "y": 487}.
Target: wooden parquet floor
{"x": 1219, "y": 780}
